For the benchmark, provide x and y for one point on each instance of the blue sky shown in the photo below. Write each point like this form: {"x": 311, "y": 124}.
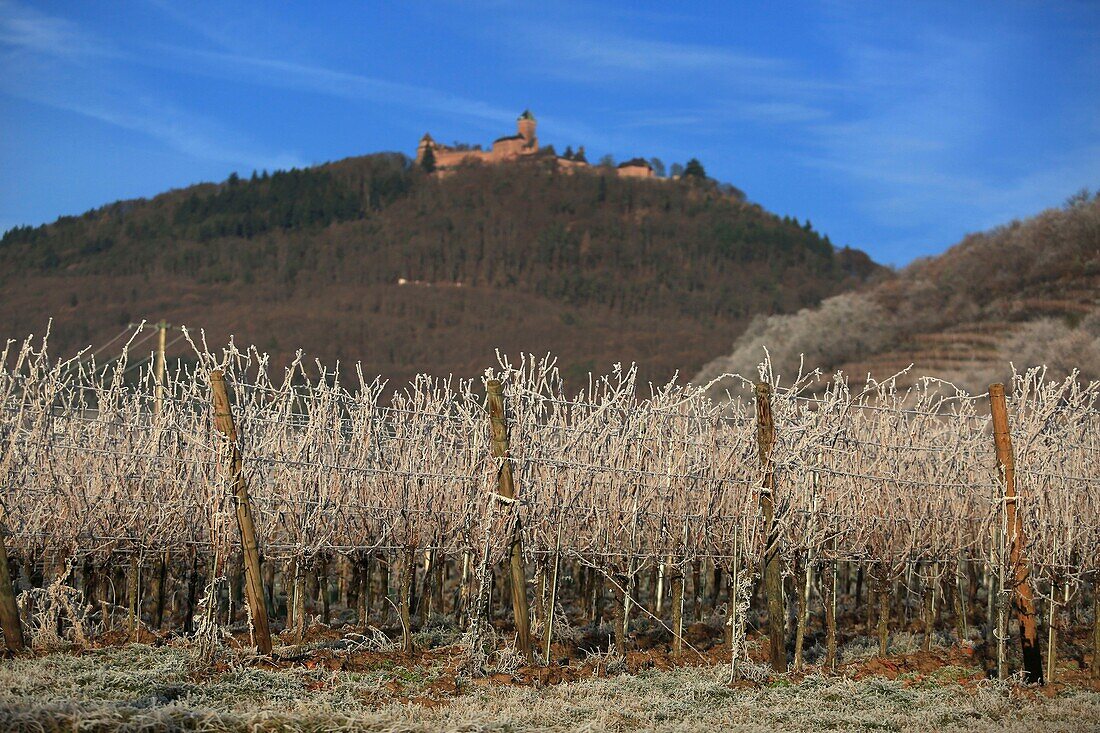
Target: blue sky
{"x": 894, "y": 127}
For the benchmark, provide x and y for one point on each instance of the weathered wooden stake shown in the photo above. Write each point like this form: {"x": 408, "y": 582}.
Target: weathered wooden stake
{"x": 323, "y": 588}
{"x": 830, "y": 621}
{"x": 439, "y": 564}
{"x": 133, "y": 594}
{"x": 1095, "y": 627}
{"x": 507, "y": 488}
{"x": 1001, "y": 629}
{"x": 553, "y": 591}
{"x": 697, "y": 588}
{"x": 930, "y": 587}
{"x": 363, "y": 600}
{"x": 659, "y": 590}
{"x": 160, "y": 589}
{"x": 158, "y": 405}
{"x": 884, "y": 588}
{"x": 383, "y": 584}
{"x": 223, "y": 420}
{"x": 269, "y": 586}
{"x": 192, "y": 598}
{"x": 595, "y": 595}
{"x": 9, "y": 611}
{"x": 462, "y": 595}
{"x": 803, "y": 614}
{"x": 731, "y": 609}
{"x": 1023, "y": 596}
{"x": 289, "y": 585}
{"x": 408, "y": 578}
{"x": 301, "y": 597}
{"x": 961, "y": 621}
{"x": 1052, "y": 626}
{"x": 677, "y": 611}
{"x": 773, "y": 571}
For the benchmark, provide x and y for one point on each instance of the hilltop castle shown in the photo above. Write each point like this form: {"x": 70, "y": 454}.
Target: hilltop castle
{"x": 515, "y": 147}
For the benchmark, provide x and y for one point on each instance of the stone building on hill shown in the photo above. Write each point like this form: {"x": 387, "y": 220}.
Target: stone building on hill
{"x": 636, "y": 168}
{"x": 523, "y": 144}
{"x": 509, "y": 147}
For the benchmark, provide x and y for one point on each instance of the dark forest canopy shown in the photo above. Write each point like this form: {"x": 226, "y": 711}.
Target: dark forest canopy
{"x": 586, "y": 254}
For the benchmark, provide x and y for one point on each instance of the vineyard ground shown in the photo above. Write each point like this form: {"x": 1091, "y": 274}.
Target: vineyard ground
{"x": 324, "y": 684}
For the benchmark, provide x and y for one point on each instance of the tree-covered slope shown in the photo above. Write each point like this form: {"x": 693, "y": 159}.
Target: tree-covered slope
{"x": 371, "y": 259}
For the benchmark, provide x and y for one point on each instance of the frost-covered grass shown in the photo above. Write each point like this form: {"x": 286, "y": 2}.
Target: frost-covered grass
{"x": 902, "y": 642}
{"x": 143, "y": 688}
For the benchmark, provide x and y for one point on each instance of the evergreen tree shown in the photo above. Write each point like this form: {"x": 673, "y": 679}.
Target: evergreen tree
{"x": 428, "y": 161}
{"x": 694, "y": 169}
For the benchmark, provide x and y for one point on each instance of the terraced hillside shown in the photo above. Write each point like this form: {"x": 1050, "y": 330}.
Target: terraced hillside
{"x": 1027, "y": 293}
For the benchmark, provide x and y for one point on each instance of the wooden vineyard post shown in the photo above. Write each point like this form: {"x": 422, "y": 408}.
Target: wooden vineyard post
{"x": 9, "y": 611}
{"x": 884, "y": 588}
{"x": 830, "y": 620}
{"x": 158, "y": 407}
{"x": 773, "y": 577}
{"x": 133, "y": 596}
{"x": 405, "y": 588}
{"x": 507, "y": 488}
{"x": 160, "y": 589}
{"x": 223, "y": 421}
{"x": 1095, "y": 671}
{"x": 553, "y": 591}
{"x": 677, "y": 611}
{"x": 162, "y": 332}
{"x": 1022, "y": 595}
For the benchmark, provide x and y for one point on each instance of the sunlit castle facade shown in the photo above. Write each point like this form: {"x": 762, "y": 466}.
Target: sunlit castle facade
{"x": 523, "y": 144}
{"x": 510, "y": 147}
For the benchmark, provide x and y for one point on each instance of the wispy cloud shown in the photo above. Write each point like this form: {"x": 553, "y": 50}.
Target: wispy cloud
{"x": 52, "y": 62}
{"x": 911, "y": 131}
{"x": 599, "y": 58}
{"x": 57, "y": 52}
{"x": 623, "y": 53}
{"x": 229, "y": 62}
{"x": 319, "y": 79}
{"x": 743, "y": 87}
{"x": 186, "y": 133}
{"x": 24, "y": 29}
{"x": 718, "y": 116}
{"x": 188, "y": 18}
{"x": 285, "y": 74}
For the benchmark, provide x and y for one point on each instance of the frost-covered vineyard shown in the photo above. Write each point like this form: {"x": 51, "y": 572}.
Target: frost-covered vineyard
{"x": 654, "y": 501}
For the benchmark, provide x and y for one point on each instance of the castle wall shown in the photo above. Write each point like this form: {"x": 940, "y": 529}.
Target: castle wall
{"x": 635, "y": 171}
{"x": 451, "y": 158}
{"x": 510, "y": 148}
{"x": 571, "y": 166}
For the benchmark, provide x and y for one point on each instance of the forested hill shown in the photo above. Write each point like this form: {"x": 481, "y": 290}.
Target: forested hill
{"x": 370, "y": 259}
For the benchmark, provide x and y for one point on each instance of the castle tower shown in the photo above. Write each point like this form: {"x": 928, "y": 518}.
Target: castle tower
{"x": 525, "y": 126}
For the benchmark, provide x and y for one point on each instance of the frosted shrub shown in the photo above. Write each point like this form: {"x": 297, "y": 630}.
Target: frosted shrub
{"x": 840, "y": 329}
{"x": 57, "y": 606}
